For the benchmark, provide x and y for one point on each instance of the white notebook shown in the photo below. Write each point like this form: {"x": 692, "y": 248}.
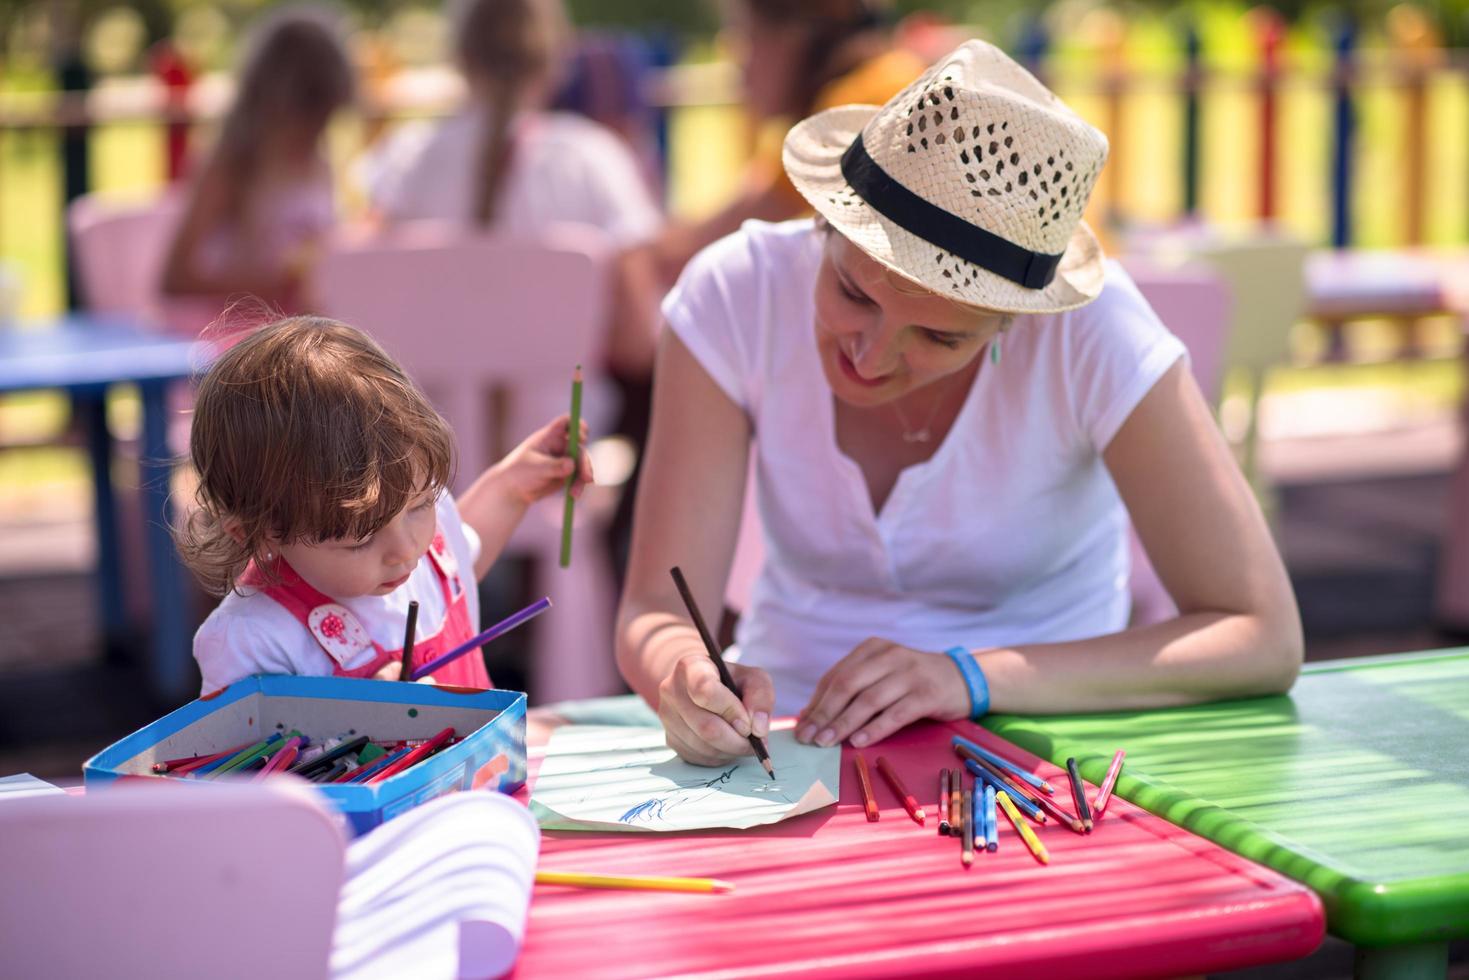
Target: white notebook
{"x": 440, "y": 892}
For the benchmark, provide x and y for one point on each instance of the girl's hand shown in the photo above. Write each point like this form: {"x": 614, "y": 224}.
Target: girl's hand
{"x": 877, "y": 689}
{"x": 703, "y": 720}
{"x": 538, "y": 467}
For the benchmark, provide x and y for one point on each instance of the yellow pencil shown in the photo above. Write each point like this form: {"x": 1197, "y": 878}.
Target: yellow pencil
{"x": 1026, "y": 834}
{"x": 638, "y": 882}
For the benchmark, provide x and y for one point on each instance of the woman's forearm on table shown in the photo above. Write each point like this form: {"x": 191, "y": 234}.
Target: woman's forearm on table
{"x": 1197, "y": 657}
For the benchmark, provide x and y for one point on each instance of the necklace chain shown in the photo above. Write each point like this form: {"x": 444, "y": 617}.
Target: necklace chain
{"x": 923, "y": 433}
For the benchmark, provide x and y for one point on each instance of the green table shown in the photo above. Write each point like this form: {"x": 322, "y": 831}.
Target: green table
{"x": 1356, "y": 784}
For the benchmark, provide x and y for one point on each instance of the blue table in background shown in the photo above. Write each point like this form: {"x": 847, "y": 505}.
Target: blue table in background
{"x": 85, "y": 356}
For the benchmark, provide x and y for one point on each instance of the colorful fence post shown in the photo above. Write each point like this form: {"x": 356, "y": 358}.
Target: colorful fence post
{"x": 174, "y": 74}
{"x": 1418, "y": 51}
{"x": 1032, "y": 45}
{"x": 1193, "y": 49}
{"x": 1269, "y": 32}
{"x": 75, "y": 80}
{"x": 1343, "y": 131}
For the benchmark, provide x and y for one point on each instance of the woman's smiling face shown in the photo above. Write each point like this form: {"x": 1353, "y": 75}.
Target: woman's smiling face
{"x": 880, "y": 337}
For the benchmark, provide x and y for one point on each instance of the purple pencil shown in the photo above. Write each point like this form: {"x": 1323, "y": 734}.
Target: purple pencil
{"x": 474, "y": 643}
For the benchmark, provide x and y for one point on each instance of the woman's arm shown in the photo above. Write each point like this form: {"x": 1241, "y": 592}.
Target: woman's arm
{"x": 688, "y": 514}
{"x": 1237, "y": 633}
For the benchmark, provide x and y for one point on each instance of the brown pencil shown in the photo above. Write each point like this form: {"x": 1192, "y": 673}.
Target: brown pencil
{"x": 943, "y": 804}
{"x": 409, "y": 636}
{"x": 864, "y": 779}
{"x": 966, "y": 831}
{"x": 909, "y": 803}
{"x": 956, "y": 782}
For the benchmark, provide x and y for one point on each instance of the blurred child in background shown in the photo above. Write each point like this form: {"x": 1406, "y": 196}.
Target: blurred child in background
{"x": 264, "y": 197}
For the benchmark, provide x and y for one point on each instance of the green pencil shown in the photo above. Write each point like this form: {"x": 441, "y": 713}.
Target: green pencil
{"x": 573, "y": 449}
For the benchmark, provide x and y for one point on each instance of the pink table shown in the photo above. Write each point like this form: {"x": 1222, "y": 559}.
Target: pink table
{"x": 831, "y": 895}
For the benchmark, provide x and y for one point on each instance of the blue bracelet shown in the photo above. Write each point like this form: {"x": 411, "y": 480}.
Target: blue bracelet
{"x": 979, "y": 688}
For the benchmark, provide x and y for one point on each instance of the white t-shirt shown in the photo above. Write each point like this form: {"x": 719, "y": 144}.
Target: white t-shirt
{"x": 1013, "y": 532}
{"x": 563, "y": 167}
{"x": 251, "y": 633}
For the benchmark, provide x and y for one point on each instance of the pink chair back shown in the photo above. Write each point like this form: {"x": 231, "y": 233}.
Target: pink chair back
{"x": 469, "y": 315}
{"x": 119, "y": 249}
{"x": 166, "y": 881}
{"x": 490, "y": 326}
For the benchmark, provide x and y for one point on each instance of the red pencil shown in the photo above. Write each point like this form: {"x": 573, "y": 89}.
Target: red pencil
{"x": 281, "y": 759}
{"x": 909, "y": 803}
{"x": 412, "y": 758}
{"x": 179, "y": 766}
{"x": 1105, "y": 793}
{"x": 864, "y": 779}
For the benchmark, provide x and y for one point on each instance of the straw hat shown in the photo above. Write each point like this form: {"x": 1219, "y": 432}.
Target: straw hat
{"x": 970, "y": 182}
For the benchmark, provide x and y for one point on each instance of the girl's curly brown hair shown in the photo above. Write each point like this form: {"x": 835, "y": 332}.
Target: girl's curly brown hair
{"x": 304, "y": 431}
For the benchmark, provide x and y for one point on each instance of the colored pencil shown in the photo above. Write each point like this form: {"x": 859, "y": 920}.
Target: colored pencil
{"x": 1022, "y": 828}
{"x": 659, "y": 883}
{"x": 178, "y": 767}
{"x": 1078, "y": 794}
{"x": 991, "y": 819}
{"x": 370, "y": 768}
{"x": 1105, "y": 794}
{"x": 413, "y": 757}
{"x": 244, "y": 758}
{"x": 976, "y": 807}
{"x": 956, "y": 782}
{"x": 573, "y": 449}
{"x": 864, "y": 780}
{"x": 475, "y": 642}
{"x": 966, "y": 831}
{"x": 1021, "y": 795}
{"x": 1026, "y": 803}
{"x": 712, "y": 648}
{"x": 209, "y": 767}
{"x": 325, "y": 760}
{"x": 1014, "y": 770}
{"x": 943, "y": 804}
{"x": 280, "y": 760}
{"x": 909, "y": 803}
{"x": 330, "y": 774}
{"x": 409, "y": 636}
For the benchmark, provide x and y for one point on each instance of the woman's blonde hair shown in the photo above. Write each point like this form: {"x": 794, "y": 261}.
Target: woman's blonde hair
{"x": 295, "y": 66}
{"x": 506, "y": 47}
{"x": 304, "y": 431}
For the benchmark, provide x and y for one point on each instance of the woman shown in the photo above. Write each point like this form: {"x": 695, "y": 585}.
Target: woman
{"x": 944, "y": 510}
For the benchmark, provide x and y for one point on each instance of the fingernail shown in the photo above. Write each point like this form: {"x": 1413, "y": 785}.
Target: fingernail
{"x": 860, "y": 739}
{"x": 762, "y": 723}
{"x": 804, "y": 735}
{"x": 827, "y": 737}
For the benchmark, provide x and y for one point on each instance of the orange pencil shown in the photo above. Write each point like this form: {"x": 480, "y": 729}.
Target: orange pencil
{"x": 909, "y": 803}
{"x": 956, "y": 789}
{"x": 864, "y": 779}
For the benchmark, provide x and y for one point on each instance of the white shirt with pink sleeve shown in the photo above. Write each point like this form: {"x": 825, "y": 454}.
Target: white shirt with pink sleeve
{"x": 1013, "y": 532}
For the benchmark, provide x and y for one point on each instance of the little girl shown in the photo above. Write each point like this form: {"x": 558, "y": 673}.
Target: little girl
{"x": 323, "y": 512}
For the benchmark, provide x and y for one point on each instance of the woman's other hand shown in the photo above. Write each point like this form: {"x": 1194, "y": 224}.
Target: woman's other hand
{"x": 877, "y": 689}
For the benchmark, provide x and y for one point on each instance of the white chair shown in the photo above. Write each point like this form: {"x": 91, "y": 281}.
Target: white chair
{"x": 491, "y": 326}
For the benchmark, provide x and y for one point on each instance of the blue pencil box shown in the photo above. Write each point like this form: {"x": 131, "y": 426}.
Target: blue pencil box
{"x": 489, "y": 755}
